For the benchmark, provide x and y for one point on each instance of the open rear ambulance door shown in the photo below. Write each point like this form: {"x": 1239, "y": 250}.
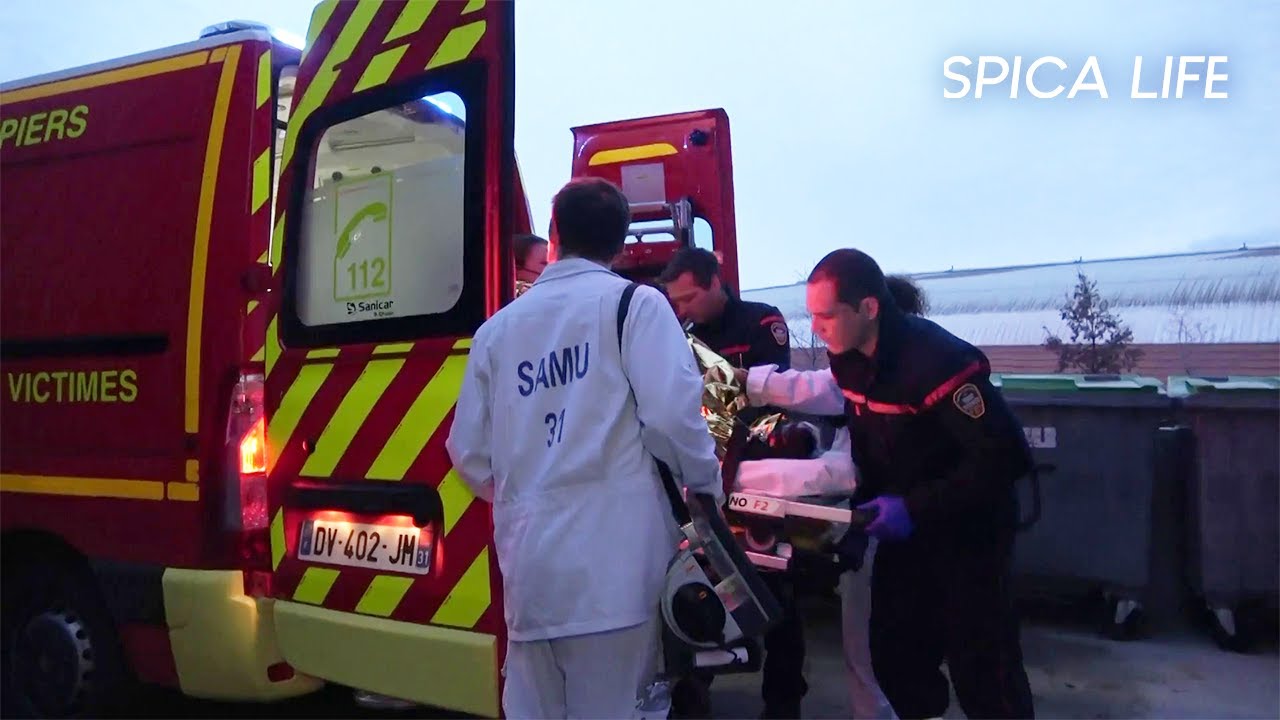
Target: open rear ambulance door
{"x": 390, "y": 247}
{"x": 677, "y": 173}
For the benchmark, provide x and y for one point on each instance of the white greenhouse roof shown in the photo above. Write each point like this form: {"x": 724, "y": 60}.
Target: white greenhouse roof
{"x": 1209, "y": 297}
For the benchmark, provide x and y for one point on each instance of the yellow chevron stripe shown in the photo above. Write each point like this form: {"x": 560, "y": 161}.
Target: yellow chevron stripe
{"x": 420, "y": 422}
{"x": 636, "y": 152}
{"x": 188, "y": 492}
{"x": 322, "y": 353}
{"x": 383, "y": 595}
{"x": 265, "y": 257}
{"x": 410, "y": 20}
{"x": 264, "y": 78}
{"x": 253, "y": 304}
{"x": 393, "y": 348}
{"x": 456, "y": 497}
{"x": 277, "y": 244}
{"x": 381, "y": 67}
{"x": 272, "y": 349}
{"x": 277, "y": 539}
{"x": 473, "y": 6}
{"x": 295, "y": 401}
{"x": 261, "y": 181}
{"x": 204, "y": 225}
{"x": 83, "y": 487}
{"x": 260, "y": 355}
{"x": 469, "y": 598}
{"x": 350, "y": 416}
{"x": 458, "y": 44}
{"x": 315, "y": 584}
{"x": 462, "y": 343}
{"x": 319, "y": 17}
{"x": 327, "y": 75}
{"x": 110, "y": 77}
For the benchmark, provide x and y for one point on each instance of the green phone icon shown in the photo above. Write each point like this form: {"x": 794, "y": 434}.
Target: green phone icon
{"x": 362, "y": 261}
{"x": 377, "y": 211}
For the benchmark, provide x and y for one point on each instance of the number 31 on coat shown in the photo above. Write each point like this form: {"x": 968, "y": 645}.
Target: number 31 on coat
{"x": 555, "y": 426}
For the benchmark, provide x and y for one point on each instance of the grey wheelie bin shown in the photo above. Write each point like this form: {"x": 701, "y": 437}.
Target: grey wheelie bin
{"x": 1233, "y": 520}
{"x": 1096, "y": 440}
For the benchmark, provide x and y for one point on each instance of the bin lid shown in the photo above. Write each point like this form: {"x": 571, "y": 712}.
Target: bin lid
{"x": 1067, "y": 382}
{"x": 1187, "y": 385}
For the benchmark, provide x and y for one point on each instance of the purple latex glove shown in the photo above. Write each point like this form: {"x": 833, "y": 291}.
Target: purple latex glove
{"x": 892, "y": 522}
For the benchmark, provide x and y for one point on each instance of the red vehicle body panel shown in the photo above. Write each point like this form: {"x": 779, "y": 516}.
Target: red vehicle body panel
{"x": 106, "y": 233}
{"x": 380, "y": 401}
{"x": 130, "y": 226}
{"x": 693, "y": 150}
{"x": 122, "y": 222}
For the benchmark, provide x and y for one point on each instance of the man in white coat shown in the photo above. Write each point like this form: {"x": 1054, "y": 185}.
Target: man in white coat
{"x": 559, "y": 428}
{"x": 832, "y": 473}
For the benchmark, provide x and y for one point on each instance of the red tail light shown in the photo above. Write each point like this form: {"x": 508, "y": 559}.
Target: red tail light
{"x": 246, "y": 482}
{"x": 253, "y": 449}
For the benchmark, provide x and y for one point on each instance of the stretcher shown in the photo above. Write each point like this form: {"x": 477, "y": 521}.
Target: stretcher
{"x": 773, "y": 531}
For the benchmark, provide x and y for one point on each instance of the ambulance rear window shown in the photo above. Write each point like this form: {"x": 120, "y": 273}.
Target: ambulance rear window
{"x": 383, "y": 223}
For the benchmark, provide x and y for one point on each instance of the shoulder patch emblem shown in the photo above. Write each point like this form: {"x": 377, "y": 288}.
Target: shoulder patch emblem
{"x": 968, "y": 400}
{"x": 779, "y": 330}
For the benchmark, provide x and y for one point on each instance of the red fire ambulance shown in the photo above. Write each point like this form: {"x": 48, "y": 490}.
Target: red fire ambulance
{"x": 152, "y": 326}
{"x": 231, "y": 352}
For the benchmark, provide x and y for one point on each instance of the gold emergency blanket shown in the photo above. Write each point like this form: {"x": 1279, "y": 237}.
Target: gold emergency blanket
{"x": 723, "y": 397}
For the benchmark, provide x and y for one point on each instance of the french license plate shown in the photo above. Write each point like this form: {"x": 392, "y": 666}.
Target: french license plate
{"x": 404, "y": 549}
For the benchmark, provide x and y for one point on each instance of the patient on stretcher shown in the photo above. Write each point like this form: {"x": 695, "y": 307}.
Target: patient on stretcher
{"x": 826, "y": 473}
{"x": 790, "y": 506}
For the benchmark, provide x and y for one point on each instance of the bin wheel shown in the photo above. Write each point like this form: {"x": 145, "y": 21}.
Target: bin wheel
{"x": 1125, "y": 619}
{"x": 1231, "y": 629}
{"x": 62, "y": 657}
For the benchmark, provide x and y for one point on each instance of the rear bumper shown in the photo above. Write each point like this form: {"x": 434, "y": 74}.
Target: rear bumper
{"x": 223, "y": 640}
{"x": 437, "y": 666}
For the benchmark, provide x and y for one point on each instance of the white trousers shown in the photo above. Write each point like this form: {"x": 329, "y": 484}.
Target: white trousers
{"x": 866, "y": 701}
{"x": 595, "y": 676}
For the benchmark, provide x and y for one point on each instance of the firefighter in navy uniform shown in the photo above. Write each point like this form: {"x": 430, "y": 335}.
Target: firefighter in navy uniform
{"x": 939, "y": 452}
{"x": 746, "y": 334}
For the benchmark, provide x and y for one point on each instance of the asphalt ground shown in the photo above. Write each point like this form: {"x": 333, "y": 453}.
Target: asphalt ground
{"x": 1075, "y": 672}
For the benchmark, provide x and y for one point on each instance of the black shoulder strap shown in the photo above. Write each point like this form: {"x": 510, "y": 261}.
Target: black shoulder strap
{"x": 623, "y": 306}
{"x": 679, "y": 510}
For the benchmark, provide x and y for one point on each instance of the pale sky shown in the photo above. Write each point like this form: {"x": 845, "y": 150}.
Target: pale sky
{"x": 841, "y": 134}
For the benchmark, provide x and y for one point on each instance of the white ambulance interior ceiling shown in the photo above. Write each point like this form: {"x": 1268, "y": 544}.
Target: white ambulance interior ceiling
{"x": 396, "y": 137}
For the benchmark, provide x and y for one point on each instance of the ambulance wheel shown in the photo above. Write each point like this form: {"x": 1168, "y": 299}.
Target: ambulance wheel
{"x": 62, "y": 657}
